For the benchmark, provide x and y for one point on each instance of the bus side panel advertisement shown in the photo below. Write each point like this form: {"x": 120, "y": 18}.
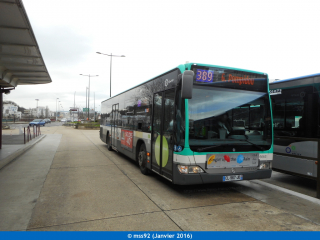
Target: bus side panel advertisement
{"x": 126, "y": 139}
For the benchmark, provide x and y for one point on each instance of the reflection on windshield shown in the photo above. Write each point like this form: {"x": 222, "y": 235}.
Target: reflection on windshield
{"x": 227, "y": 117}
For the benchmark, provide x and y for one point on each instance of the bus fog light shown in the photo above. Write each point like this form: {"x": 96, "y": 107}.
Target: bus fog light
{"x": 264, "y": 165}
{"x": 195, "y": 169}
{"x": 183, "y": 169}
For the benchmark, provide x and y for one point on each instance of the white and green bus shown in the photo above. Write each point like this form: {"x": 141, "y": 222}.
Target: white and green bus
{"x": 194, "y": 124}
{"x": 296, "y": 121}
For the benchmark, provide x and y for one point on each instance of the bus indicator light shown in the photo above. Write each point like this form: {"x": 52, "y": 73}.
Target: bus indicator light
{"x": 183, "y": 169}
{"x": 189, "y": 169}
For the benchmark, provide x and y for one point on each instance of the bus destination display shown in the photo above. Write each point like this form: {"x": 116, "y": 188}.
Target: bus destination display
{"x": 229, "y": 78}
{"x": 205, "y": 76}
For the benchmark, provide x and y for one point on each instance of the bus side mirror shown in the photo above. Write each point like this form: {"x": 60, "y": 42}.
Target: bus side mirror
{"x": 187, "y": 84}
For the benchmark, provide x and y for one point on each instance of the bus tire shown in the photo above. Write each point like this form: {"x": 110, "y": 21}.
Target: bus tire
{"x": 108, "y": 142}
{"x": 142, "y": 160}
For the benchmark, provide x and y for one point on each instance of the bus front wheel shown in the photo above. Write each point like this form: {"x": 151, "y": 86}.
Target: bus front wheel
{"x": 142, "y": 160}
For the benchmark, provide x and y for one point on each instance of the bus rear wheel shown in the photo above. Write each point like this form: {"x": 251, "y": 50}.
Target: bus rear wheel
{"x": 142, "y": 160}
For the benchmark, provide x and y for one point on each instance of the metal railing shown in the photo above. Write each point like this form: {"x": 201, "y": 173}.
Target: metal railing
{"x": 28, "y": 136}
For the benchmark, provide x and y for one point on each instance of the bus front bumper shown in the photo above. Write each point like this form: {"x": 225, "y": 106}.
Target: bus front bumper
{"x": 203, "y": 178}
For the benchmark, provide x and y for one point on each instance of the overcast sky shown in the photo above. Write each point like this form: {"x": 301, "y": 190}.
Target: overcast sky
{"x": 278, "y": 37}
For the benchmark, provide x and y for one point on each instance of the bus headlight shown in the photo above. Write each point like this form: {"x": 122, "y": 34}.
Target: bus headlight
{"x": 189, "y": 169}
{"x": 264, "y": 165}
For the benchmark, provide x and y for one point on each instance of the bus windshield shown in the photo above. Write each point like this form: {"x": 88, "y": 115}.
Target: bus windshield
{"x": 223, "y": 120}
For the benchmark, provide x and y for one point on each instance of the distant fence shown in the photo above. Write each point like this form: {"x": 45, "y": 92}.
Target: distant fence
{"x": 30, "y": 119}
{"x": 4, "y": 120}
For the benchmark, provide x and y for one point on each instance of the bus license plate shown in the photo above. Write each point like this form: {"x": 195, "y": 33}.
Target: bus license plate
{"x": 232, "y": 178}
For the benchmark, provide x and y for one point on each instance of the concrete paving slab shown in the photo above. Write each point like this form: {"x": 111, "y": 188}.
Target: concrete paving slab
{"x": 80, "y": 159}
{"x": 115, "y": 157}
{"x": 290, "y": 203}
{"x": 20, "y": 185}
{"x": 98, "y": 190}
{"x": 12, "y": 139}
{"x": 14, "y": 131}
{"x": 248, "y": 216}
{"x": 168, "y": 196}
{"x": 298, "y": 184}
{"x": 68, "y": 198}
{"x": 93, "y": 136}
{"x": 157, "y": 221}
{"x": 80, "y": 146}
{"x": 75, "y": 138}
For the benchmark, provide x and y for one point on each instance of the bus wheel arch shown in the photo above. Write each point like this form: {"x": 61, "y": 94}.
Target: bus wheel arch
{"x": 139, "y": 143}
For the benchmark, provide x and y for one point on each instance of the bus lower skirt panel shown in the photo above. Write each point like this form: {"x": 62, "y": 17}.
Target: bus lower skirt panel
{"x": 295, "y": 165}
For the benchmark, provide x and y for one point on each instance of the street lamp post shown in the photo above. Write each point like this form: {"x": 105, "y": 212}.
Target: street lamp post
{"x": 94, "y": 105}
{"x": 37, "y": 106}
{"x": 89, "y": 90}
{"x": 86, "y": 97}
{"x": 57, "y": 109}
{"x": 110, "y": 55}
{"x": 74, "y": 105}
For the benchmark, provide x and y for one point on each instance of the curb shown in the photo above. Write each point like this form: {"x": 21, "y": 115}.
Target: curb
{"x": 4, "y": 162}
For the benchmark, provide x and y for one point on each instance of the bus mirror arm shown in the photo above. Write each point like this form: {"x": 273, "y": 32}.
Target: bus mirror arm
{"x": 187, "y": 84}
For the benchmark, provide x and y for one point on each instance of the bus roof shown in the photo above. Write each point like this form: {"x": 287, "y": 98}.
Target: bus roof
{"x": 184, "y": 67}
{"x": 296, "y": 78}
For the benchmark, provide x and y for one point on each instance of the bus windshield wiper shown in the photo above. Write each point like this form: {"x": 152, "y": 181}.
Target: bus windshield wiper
{"x": 253, "y": 144}
{"x": 213, "y": 146}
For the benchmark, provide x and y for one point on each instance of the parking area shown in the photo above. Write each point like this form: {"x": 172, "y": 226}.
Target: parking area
{"x": 70, "y": 181}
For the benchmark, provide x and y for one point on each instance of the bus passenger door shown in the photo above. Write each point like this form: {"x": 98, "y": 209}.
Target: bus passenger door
{"x": 162, "y": 133}
{"x": 114, "y": 134}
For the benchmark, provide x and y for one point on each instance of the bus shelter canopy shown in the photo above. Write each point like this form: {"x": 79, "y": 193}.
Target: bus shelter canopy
{"x": 21, "y": 62}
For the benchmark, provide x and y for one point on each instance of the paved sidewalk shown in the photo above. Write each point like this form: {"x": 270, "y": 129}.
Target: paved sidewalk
{"x": 14, "y": 148}
{"x": 13, "y": 143}
{"x": 21, "y": 182}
